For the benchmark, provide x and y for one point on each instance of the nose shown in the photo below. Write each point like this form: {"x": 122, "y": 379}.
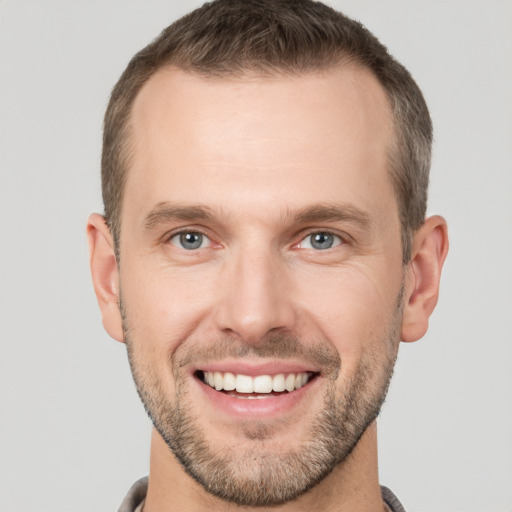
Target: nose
{"x": 257, "y": 297}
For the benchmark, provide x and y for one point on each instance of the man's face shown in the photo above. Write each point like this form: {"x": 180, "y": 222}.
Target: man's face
{"x": 260, "y": 248}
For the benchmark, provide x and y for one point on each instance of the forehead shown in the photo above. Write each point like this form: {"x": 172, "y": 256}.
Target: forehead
{"x": 287, "y": 137}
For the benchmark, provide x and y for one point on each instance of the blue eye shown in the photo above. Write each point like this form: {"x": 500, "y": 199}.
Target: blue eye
{"x": 190, "y": 240}
{"x": 321, "y": 241}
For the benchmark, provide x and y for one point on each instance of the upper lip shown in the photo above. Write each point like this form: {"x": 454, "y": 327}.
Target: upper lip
{"x": 255, "y": 368}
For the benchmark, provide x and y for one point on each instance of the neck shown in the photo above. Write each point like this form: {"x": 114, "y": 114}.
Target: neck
{"x": 352, "y": 485}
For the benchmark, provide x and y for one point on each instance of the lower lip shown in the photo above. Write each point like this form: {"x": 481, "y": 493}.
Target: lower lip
{"x": 260, "y": 407}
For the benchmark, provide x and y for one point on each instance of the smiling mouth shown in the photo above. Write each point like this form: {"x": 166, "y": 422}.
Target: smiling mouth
{"x": 260, "y": 386}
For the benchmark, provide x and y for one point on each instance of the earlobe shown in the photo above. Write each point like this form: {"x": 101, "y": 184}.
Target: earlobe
{"x": 430, "y": 247}
{"x": 105, "y": 275}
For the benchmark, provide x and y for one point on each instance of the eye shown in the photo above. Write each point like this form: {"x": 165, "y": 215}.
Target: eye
{"x": 320, "y": 241}
{"x": 190, "y": 240}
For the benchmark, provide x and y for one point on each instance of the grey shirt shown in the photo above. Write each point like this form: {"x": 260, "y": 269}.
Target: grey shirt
{"x": 134, "y": 500}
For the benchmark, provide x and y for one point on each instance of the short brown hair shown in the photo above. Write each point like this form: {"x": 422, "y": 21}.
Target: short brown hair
{"x": 232, "y": 37}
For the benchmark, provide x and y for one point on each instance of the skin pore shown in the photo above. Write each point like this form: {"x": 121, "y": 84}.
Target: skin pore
{"x": 260, "y": 237}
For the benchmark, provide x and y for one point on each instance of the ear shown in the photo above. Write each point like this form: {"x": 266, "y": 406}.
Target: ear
{"x": 430, "y": 247}
{"x": 105, "y": 274}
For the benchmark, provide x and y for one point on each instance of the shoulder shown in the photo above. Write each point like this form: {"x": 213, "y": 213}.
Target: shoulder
{"x": 135, "y": 496}
{"x": 391, "y": 500}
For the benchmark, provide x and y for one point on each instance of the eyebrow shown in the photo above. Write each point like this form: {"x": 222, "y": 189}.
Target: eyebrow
{"x": 332, "y": 213}
{"x": 165, "y": 212}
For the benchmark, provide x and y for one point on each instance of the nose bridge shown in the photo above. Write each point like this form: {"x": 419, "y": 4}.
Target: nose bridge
{"x": 256, "y": 299}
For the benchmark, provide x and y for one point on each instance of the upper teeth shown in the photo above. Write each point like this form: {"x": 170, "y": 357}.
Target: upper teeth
{"x": 260, "y": 384}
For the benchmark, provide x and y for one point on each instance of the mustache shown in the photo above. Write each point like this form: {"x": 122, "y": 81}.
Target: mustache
{"x": 278, "y": 346}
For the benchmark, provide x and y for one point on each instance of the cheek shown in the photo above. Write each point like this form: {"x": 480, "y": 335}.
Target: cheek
{"x": 163, "y": 307}
{"x": 354, "y": 311}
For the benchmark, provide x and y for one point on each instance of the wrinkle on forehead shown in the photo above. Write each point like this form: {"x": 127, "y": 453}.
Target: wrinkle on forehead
{"x": 183, "y": 102}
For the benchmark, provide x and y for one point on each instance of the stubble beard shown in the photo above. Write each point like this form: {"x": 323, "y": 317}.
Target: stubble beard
{"x": 256, "y": 475}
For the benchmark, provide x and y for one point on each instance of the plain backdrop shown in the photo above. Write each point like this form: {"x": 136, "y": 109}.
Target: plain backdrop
{"x": 73, "y": 436}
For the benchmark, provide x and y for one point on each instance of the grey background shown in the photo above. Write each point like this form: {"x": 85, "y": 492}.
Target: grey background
{"x": 73, "y": 436}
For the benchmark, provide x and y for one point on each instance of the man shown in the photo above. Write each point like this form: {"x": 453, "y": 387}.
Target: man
{"x": 263, "y": 251}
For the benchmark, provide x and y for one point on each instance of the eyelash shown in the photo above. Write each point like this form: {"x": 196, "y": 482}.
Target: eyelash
{"x": 338, "y": 239}
{"x": 175, "y": 235}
